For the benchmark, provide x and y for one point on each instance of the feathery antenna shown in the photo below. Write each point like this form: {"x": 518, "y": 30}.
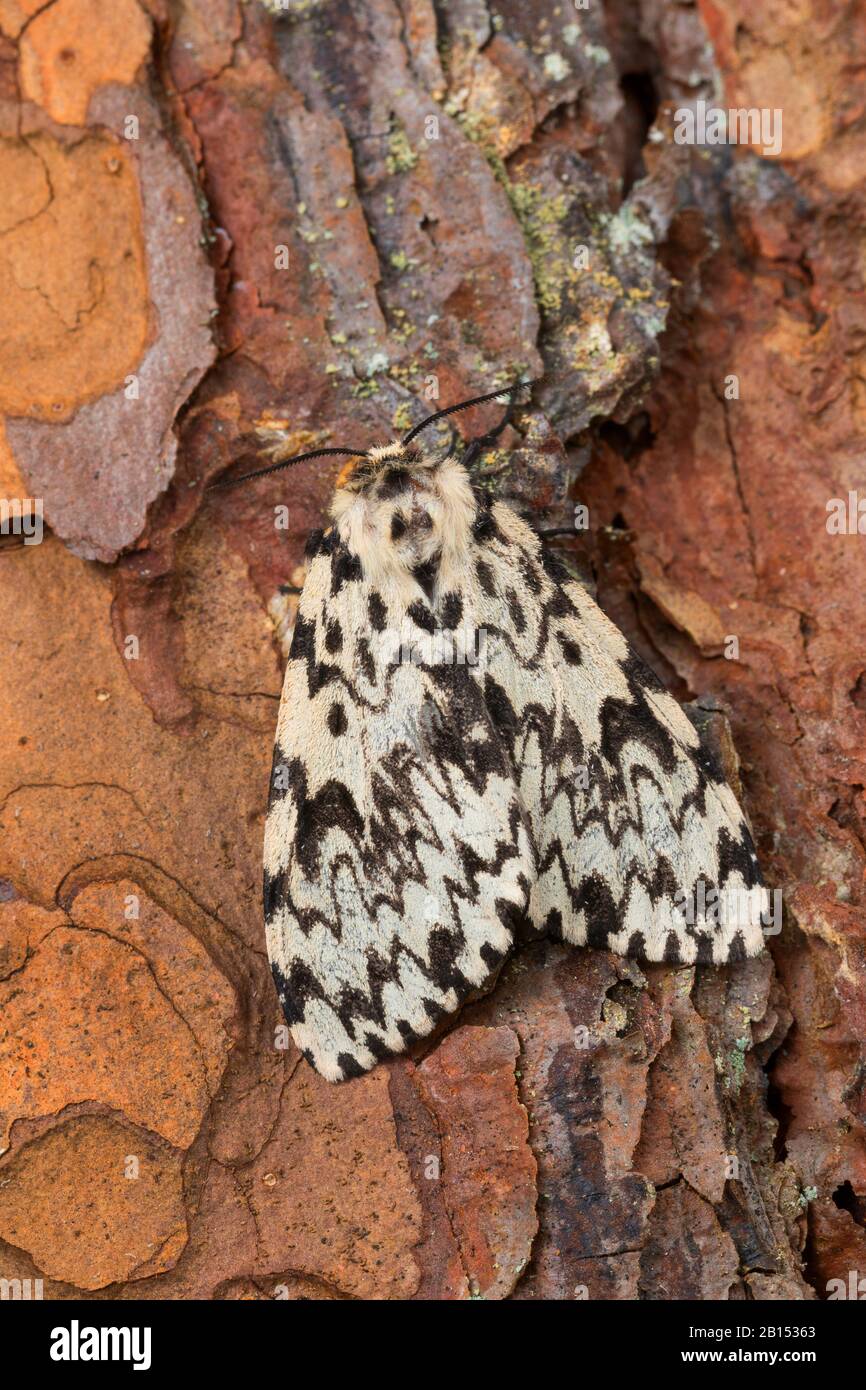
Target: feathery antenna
{"x": 507, "y": 392}
{"x": 287, "y": 463}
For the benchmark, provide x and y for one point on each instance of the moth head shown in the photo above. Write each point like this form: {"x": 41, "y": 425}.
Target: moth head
{"x": 364, "y": 465}
{"x": 361, "y": 473}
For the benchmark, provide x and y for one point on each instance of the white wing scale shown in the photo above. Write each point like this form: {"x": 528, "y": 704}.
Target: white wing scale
{"x": 641, "y": 846}
{"x": 420, "y": 809}
{"x": 396, "y": 857}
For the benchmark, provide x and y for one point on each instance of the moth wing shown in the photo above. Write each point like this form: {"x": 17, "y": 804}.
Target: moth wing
{"x": 396, "y": 855}
{"x": 641, "y": 847}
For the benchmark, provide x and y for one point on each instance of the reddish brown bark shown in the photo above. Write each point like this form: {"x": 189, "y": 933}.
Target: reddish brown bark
{"x": 310, "y": 216}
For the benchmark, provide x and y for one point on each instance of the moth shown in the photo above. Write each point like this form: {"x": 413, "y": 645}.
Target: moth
{"x": 435, "y": 797}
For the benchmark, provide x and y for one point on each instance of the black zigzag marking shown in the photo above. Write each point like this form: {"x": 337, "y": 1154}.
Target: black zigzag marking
{"x": 345, "y": 569}
{"x": 636, "y": 749}
{"x": 445, "y": 944}
{"x": 303, "y": 648}
{"x": 493, "y": 732}
{"x": 738, "y": 857}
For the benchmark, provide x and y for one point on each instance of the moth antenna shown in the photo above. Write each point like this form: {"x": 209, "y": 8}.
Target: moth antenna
{"x": 508, "y": 392}
{"x": 476, "y": 446}
{"x": 287, "y": 463}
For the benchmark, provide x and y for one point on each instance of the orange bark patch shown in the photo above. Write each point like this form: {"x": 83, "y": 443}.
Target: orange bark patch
{"x": 77, "y": 46}
{"x": 331, "y": 1193}
{"x": 86, "y": 1020}
{"x": 181, "y": 966}
{"x": 11, "y": 482}
{"x": 94, "y": 1202}
{"x": 489, "y": 1168}
{"x": 74, "y": 312}
{"x": 14, "y": 14}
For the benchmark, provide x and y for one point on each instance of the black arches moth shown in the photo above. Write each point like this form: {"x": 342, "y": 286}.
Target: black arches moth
{"x": 466, "y": 743}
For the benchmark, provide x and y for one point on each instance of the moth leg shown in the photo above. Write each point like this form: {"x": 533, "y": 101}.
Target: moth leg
{"x": 477, "y": 446}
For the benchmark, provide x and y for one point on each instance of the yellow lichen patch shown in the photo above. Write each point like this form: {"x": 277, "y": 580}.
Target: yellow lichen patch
{"x": 280, "y": 442}
{"x": 76, "y": 46}
{"x": 498, "y": 113}
{"x": 402, "y": 418}
{"x": 401, "y": 156}
{"x": 74, "y": 313}
{"x": 541, "y": 218}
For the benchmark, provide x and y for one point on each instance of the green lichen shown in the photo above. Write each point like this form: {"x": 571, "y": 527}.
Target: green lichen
{"x": 556, "y": 67}
{"x": 366, "y": 388}
{"x": 401, "y": 156}
{"x": 737, "y": 1064}
{"x": 483, "y": 131}
{"x": 626, "y": 231}
{"x": 377, "y": 363}
{"x": 402, "y": 417}
{"x": 598, "y": 53}
{"x": 541, "y": 219}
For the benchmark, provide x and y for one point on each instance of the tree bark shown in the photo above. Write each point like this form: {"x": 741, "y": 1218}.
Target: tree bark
{"x": 224, "y": 218}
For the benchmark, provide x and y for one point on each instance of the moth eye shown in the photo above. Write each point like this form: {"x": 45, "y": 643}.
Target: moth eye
{"x": 398, "y": 527}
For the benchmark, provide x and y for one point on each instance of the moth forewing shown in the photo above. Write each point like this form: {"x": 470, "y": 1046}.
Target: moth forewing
{"x": 467, "y": 743}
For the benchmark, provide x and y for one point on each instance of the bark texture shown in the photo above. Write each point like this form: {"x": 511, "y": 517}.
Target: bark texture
{"x": 218, "y": 215}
